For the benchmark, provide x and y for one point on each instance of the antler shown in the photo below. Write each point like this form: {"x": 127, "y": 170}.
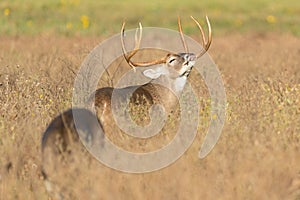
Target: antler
{"x": 182, "y": 36}
{"x": 206, "y": 44}
{"x": 135, "y": 50}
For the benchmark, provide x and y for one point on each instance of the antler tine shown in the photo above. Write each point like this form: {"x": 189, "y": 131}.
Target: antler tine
{"x": 137, "y": 41}
{"x": 137, "y": 44}
{"x": 182, "y": 36}
{"x": 135, "y": 50}
{"x": 206, "y": 44}
{"x": 122, "y": 40}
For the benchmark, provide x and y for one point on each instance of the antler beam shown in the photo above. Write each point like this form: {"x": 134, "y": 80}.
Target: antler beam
{"x": 206, "y": 44}
{"x": 182, "y": 36}
{"x": 135, "y": 50}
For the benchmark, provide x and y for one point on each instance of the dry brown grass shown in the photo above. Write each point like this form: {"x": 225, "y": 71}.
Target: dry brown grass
{"x": 257, "y": 156}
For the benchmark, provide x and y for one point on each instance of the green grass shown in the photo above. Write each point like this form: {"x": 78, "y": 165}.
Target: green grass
{"x": 94, "y": 17}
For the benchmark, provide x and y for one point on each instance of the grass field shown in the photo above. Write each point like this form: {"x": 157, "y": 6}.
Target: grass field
{"x": 256, "y": 46}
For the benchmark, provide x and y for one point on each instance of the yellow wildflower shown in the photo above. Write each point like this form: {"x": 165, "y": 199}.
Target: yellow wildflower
{"x": 271, "y": 19}
{"x": 29, "y": 23}
{"x": 69, "y": 26}
{"x": 85, "y": 21}
{"x": 6, "y": 12}
{"x": 214, "y": 116}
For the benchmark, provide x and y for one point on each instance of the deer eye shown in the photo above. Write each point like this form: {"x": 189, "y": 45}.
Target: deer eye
{"x": 172, "y": 60}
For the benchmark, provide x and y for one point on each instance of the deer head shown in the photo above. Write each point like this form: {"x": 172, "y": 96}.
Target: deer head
{"x": 174, "y": 66}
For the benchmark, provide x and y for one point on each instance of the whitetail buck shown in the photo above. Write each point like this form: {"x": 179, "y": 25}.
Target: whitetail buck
{"x": 61, "y": 136}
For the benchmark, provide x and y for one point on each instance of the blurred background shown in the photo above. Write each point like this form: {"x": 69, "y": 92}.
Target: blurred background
{"x": 78, "y": 17}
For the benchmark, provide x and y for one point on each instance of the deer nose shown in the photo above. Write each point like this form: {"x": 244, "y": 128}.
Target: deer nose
{"x": 192, "y": 57}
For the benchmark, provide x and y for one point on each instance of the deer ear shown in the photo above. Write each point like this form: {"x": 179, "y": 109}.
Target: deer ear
{"x": 154, "y": 74}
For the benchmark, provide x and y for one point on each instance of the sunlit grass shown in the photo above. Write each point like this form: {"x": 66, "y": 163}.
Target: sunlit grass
{"x": 259, "y": 142}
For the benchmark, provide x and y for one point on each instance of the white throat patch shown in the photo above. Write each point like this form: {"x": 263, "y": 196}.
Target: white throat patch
{"x": 179, "y": 84}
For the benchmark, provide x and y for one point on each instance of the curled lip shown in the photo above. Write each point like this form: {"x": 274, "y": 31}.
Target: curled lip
{"x": 192, "y": 57}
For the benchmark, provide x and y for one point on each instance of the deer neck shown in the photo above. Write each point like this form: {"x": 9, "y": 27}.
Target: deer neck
{"x": 167, "y": 78}
{"x": 178, "y": 85}
{"x": 167, "y": 91}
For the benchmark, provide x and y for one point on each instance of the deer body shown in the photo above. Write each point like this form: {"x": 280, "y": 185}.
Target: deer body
{"x": 60, "y": 144}
{"x": 62, "y": 134}
{"x": 150, "y": 93}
